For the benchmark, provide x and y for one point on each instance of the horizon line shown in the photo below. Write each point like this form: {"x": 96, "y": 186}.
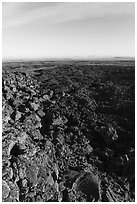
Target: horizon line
{"x": 66, "y": 58}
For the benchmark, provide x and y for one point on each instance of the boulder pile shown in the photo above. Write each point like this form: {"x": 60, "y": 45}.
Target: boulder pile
{"x": 56, "y": 147}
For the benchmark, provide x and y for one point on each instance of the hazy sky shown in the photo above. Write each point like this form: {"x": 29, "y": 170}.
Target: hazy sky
{"x": 37, "y": 30}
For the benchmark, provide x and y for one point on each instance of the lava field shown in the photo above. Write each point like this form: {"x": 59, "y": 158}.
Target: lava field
{"x": 68, "y": 131}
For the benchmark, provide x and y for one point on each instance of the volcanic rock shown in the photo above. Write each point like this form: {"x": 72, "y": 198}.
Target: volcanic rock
{"x": 89, "y": 184}
{"x": 5, "y": 190}
{"x": 65, "y": 137}
{"x": 109, "y": 134}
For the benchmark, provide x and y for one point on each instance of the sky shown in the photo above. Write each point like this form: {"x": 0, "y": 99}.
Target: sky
{"x": 67, "y": 30}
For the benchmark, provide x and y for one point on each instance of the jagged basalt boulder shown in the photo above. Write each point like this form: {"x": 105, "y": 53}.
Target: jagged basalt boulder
{"x": 89, "y": 184}
{"x": 108, "y": 133}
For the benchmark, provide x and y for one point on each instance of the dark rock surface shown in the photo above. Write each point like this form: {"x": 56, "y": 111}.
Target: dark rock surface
{"x": 68, "y": 133}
